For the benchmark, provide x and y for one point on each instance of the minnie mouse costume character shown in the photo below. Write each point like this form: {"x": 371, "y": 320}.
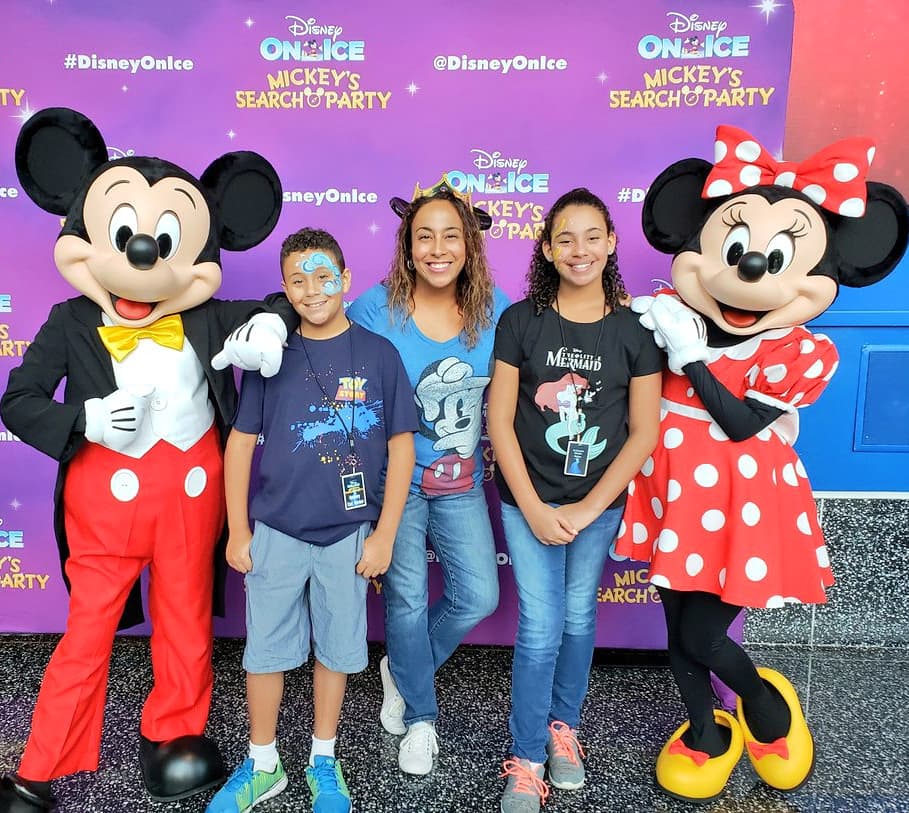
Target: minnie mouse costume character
{"x": 138, "y": 434}
{"x": 723, "y": 509}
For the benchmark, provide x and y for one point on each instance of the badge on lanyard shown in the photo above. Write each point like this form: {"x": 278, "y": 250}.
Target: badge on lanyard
{"x": 353, "y": 489}
{"x": 353, "y": 485}
{"x": 576, "y": 458}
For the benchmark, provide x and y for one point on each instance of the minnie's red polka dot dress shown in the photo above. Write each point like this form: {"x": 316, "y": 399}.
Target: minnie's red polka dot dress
{"x": 735, "y": 518}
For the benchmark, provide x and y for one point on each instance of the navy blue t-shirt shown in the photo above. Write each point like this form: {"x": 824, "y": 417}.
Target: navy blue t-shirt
{"x": 306, "y": 449}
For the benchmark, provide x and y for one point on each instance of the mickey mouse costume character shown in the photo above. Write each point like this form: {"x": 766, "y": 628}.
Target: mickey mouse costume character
{"x": 138, "y": 434}
{"x": 723, "y": 509}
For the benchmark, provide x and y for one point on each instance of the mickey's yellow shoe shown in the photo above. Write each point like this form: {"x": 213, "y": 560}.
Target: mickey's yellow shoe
{"x": 787, "y": 762}
{"x": 694, "y": 776}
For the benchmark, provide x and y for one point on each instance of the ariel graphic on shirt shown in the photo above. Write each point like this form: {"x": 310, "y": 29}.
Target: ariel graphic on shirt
{"x": 567, "y": 397}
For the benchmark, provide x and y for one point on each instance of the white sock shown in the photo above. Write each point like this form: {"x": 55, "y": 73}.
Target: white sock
{"x": 264, "y": 757}
{"x": 321, "y": 748}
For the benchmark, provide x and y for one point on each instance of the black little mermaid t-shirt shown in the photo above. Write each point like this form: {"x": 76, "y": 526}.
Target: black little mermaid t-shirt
{"x": 571, "y": 391}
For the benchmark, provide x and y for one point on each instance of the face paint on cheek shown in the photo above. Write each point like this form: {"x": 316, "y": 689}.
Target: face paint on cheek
{"x": 332, "y": 287}
{"x": 319, "y": 260}
{"x": 556, "y": 229}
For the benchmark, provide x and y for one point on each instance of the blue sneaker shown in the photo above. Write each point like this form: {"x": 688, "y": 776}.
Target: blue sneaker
{"x": 246, "y": 788}
{"x": 329, "y": 790}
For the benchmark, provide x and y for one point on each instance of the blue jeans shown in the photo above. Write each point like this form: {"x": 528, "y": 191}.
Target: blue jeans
{"x": 557, "y": 614}
{"x": 420, "y": 638}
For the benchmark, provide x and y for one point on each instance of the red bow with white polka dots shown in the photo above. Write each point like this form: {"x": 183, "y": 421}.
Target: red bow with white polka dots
{"x": 833, "y": 178}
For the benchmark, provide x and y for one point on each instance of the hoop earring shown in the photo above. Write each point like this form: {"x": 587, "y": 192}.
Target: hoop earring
{"x": 409, "y": 264}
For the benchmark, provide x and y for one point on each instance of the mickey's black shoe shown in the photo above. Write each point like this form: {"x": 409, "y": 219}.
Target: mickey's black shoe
{"x": 179, "y": 768}
{"x": 18, "y": 795}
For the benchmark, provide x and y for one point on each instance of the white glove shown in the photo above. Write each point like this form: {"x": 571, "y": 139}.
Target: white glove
{"x": 256, "y": 345}
{"x": 676, "y": 328}
{"x": 114, "y": 421}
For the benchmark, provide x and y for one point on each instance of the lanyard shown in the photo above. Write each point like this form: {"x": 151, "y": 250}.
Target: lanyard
{"x": 596, "y": 350}
{"x": 332, "y": 401}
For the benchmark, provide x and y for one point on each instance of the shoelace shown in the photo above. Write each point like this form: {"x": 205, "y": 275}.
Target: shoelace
{"x": 526, "y": 781}
{"x": 242, "y": 776}
{"x": 565, "y": 742}
{"x": 424, "y": 736}
{"x": 326, "y": 776}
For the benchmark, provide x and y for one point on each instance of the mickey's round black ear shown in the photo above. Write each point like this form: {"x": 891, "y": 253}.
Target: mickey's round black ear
{"x": 247, "y": 193}
{"x": 56, "y": 151}
{"x": 871, "y": 246}
{"x": 673, "y": 207}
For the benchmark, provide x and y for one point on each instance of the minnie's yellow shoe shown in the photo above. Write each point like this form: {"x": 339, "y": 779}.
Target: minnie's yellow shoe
{"x": 787, "y": 762}
{"x": 694, "y": 776}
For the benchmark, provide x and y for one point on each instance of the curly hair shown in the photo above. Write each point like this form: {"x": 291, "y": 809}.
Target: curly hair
{"x": 542, "y": 277}
{"x": 474, "y": 287}
{"x": 312, "y": 238}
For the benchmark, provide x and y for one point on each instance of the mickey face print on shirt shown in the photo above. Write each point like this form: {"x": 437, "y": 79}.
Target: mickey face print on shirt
{"x": 449, "y": 399}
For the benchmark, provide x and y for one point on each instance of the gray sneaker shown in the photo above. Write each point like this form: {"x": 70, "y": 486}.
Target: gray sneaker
{"x": 525, "y": 789}
{"x": 566, "y": 770}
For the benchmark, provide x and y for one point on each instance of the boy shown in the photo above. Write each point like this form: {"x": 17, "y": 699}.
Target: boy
{"x": 338, "y": 409}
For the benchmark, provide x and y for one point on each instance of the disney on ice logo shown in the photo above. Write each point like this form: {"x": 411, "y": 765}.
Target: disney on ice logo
{"x": 313, "y": 42}
{"x": 499, "y": 174}
{"x": 683, "y": 23}
{"x": 494, "y": 160}
{"x": 702, "y": 39}
{"x": 301, "y": 28}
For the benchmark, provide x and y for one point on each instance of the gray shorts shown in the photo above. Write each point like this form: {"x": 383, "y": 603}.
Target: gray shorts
{"x": 297, "y": 591}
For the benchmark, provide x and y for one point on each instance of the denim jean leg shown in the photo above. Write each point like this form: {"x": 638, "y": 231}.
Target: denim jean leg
{"x": 539, "y": 574}
{"x": 585, "y": 559}
{"x": 405, "y": 587}
{"x": 461, "y": 535}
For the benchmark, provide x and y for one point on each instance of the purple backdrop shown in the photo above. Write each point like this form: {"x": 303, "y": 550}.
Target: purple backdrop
{"x": 516, "y": 105}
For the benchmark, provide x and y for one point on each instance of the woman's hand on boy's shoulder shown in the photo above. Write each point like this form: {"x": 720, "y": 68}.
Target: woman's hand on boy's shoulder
{"x": 376, "y": 557}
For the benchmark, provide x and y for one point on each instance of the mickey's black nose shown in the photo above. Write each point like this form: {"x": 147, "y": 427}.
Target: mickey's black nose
{"x": 142, "y": 251}
{"x": 751, "y": 267}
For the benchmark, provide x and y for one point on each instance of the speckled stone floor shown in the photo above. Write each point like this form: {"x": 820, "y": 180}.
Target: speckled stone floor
{"x": 856, "y": 701}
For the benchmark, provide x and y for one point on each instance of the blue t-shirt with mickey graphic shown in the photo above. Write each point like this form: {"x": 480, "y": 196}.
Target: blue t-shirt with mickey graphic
{"x": 352, "y": 384}
{"x": 449, "y": 381}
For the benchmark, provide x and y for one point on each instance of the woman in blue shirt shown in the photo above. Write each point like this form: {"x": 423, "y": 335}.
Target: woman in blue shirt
{"x": 438, "y": 306}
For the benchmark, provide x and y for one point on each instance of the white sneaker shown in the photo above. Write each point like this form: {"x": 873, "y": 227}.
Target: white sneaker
{"x": 392, "y": 714}
{"x": 418, "y": 748}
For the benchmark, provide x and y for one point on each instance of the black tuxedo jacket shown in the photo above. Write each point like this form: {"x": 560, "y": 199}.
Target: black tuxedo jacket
{"x": 68, "y": 346}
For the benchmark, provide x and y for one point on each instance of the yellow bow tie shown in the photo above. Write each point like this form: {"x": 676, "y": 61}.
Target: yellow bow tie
{"x": 121, "y": 341}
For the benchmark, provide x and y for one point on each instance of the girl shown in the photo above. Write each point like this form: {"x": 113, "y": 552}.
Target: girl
{"x": 438, "y": 306}
{"x": 573, "y": 413}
